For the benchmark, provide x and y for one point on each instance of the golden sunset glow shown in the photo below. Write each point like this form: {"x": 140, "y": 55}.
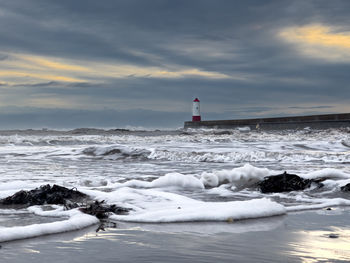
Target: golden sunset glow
{"x": 36, "y": 68}
{"x": 39, "y": 76}
{"x": 319, "y": 41}
{"x": 317, "y": 35}
{"x": 50, "y": 63}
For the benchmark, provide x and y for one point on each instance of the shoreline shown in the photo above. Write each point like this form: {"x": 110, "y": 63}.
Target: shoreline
{"x": 298, "y": 236}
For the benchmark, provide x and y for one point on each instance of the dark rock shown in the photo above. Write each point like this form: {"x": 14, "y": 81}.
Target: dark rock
{"x": 345, "y": 188}
{"x": 333, "y": 235}
{"x": 283, "y": 183}
{"x": 45, "y": 194}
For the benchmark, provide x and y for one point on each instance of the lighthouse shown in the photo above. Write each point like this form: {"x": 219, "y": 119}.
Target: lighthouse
{"x": 196, "y": 115}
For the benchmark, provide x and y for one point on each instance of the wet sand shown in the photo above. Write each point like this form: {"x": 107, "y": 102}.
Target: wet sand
{"x": 311, "y": 236}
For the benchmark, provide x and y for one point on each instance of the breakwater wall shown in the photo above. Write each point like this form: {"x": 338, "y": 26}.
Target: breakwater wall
{"x": 296, "y": 122}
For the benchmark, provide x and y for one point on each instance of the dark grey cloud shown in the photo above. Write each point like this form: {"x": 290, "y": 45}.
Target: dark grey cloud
{"x": 112, "y": 29}
{"x": 230, "y": 37}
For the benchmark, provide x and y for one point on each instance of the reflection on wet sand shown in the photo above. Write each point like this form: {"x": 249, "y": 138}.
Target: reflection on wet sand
{"x": 315, "y": 246}
{"x": 210, "y": 228}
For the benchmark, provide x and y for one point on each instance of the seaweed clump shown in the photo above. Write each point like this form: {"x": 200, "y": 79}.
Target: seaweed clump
{"x": 59, "y": 195}
{"x": 45, "y": 194}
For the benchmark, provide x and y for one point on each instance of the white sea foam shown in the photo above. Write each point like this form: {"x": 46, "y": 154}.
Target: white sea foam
{"x": 155, "y": 206}
{"x": 206, "y": 211}
{"x": 16, "y": 184}
{"x": 169, "y": 180}
{"x": 241, "y": 177}
{"x": 327, "y": 173}
{"x": 244, "y": 129}
{"x": 9, "y": 188}
{"x": 77, "y": 220}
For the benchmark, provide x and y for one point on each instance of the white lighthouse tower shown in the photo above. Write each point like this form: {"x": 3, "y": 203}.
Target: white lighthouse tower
{"x": 196, "y": 115}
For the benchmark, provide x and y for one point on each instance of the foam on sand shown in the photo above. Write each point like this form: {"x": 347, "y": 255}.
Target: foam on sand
{"x": 207, "y": 211}
{"x": 77, "y": 220}
{"x": 156, "y": 206}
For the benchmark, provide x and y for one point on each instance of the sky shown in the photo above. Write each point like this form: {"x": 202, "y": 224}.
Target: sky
{"x": 137, "y": 63}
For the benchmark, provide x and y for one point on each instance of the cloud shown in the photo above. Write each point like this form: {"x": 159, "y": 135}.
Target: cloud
{"x": 319, "y": 41}
{"x": 36, "y": 68}
{"x": 7, "y": 74}
{"x": 241, "y": 58}
{"x": 47, "y": 63}
{"x": 3, "y": 57}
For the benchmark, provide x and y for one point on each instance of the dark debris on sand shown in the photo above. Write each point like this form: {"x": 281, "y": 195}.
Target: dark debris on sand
{"x": 59, "y": 195}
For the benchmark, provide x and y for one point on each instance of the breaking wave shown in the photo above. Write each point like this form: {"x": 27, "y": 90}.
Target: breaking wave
{"x": 117, "y": 152}
{"x": 235, "y": 179}
{"x": 249, "y": 156}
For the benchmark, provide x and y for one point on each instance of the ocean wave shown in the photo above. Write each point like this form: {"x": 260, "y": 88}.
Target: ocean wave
{"x": 117, "y": 152}
{"x": 238, "y": 178}
{"x": 18, "y": 140}
{"x": 251, "y": 156}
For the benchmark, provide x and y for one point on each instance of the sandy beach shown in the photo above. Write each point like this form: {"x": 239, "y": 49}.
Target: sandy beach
{"x": 310, "y": 236}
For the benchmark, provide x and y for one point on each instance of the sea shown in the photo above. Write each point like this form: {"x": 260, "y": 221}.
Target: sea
{"x": 193, "y": 195}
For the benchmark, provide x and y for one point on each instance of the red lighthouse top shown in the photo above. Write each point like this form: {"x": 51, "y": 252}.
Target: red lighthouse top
{"x": 196, "y": 100}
